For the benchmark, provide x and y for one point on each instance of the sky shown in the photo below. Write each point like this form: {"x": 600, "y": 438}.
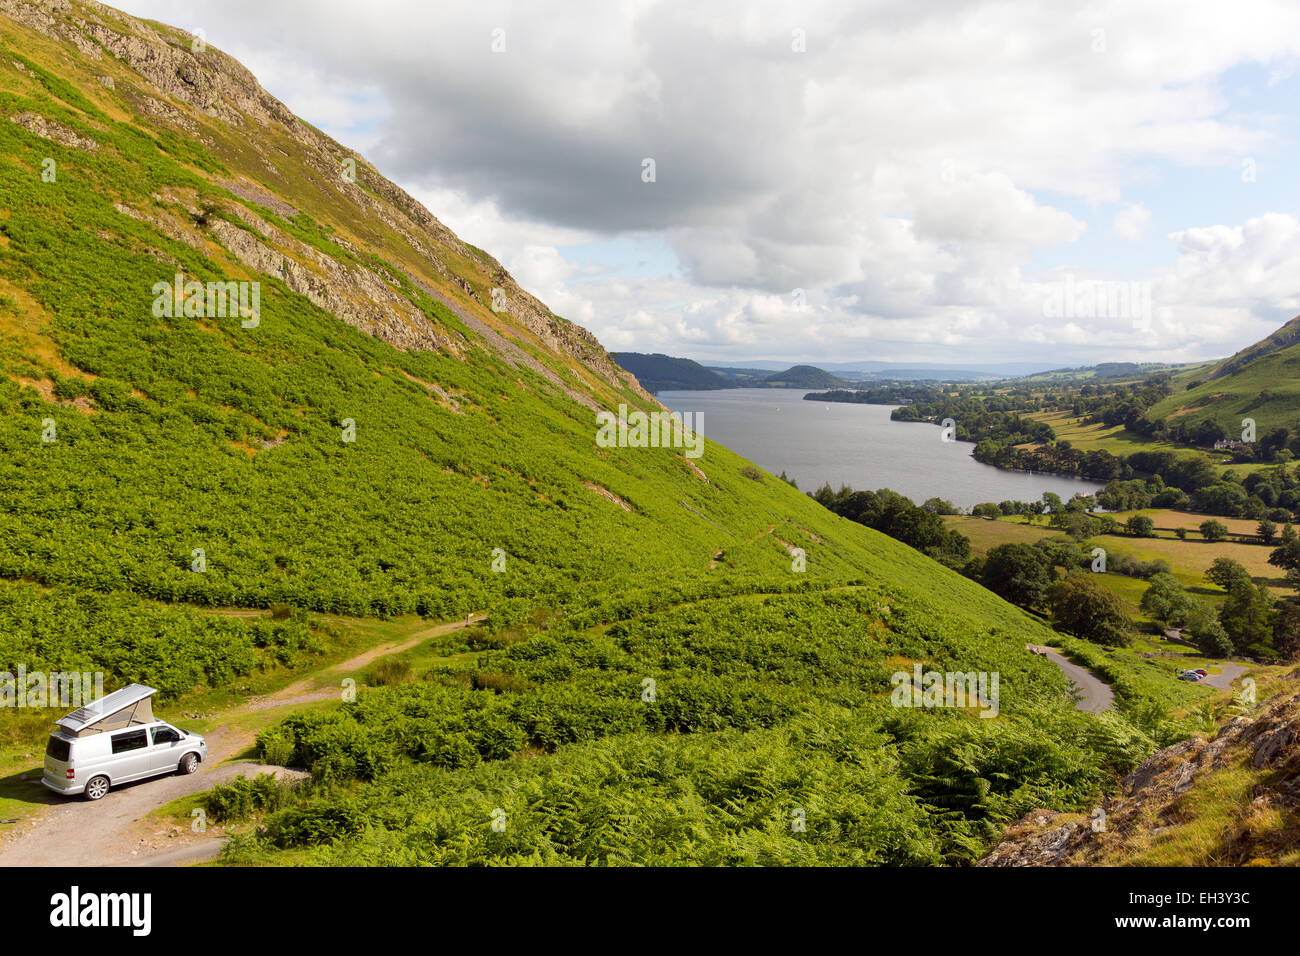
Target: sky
{"x": 912, "y": 181}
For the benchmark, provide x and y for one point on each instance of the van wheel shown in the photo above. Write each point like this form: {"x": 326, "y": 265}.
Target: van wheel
{"x": 96, "y": 788}
{"x": 189, "y": 763}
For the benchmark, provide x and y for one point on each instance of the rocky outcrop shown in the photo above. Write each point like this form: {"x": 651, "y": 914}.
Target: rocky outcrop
{"x": 48, "y": 129}
{"x": 352, "y": 293}
{"x": 1152, "y": 799}
{"x": 173, "y": 78}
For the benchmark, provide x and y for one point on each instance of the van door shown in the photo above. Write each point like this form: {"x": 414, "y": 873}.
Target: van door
{"x": 130, "y": 756}
{"x": 58, "y": 758}
{"x": 166, "y": 753}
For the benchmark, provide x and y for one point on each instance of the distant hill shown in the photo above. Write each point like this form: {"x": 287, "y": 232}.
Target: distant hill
{"x": 657, "y": 372}
{"x": 742, "y": 377}
{"x": 1107, "y": 372}
{"x": 898, "y": 370}
{"x": 1279, "y": 341}
{"x": 1261, "y": 382}
{"x": 803, "y": 376}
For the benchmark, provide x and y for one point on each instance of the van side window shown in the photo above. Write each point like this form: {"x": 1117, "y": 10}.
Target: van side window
{"x": 131, "y": 740}
{"x": 164, "y": 735}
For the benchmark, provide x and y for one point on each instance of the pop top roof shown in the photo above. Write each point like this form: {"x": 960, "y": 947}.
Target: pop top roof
{"x": 94, "y": 712}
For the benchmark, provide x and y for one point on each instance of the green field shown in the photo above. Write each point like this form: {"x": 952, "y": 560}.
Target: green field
{"x": 1119, "y": 441}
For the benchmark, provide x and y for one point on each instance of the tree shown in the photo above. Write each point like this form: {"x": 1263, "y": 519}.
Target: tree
{"x": 1286, "y": 555}
{"x": 1076, "y": 524}
{"x": 1140, "y": 526}
{"x": 1082, "y": 607}
{"x": 1286, "y": 630}
{"x": 1166, "y": 601}
{"x": 1209, "y": 636}
{"x": 1266, "y": 530}
{"x": 1212, "y": 530}
{"x": 1225, "y": 572}
{"x": 1019, "y": 573}
{"x": 1247, "y": 617}
{"x": 986, "y": 509}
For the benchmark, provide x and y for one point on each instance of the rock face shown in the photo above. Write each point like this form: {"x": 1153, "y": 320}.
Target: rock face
{"x": 48, "y": 129}
{"x": 1155, "y": 797}
{"x": 172, "y": 80}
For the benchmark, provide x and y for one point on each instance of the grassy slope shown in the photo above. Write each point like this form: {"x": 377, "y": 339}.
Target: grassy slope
{"x": 1236, "y": 395}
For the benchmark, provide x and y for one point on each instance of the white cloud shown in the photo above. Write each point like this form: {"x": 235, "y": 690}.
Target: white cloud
{"x": 909, "y": 170}
{"x": 1132, "y": 222}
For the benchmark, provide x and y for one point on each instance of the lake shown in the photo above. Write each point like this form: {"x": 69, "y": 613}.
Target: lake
{"x": 856, "y": 445}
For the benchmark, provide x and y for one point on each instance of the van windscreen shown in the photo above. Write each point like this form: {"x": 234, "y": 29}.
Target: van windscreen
{"x": 58, "y": 748}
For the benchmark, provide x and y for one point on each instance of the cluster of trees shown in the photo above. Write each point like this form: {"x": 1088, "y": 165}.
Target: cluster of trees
{"x": 978, "y": 420}
{"x": 1058, "y": 457}
{"x": 1120, "y": 404}
{"x": 1143, "y": 479}
{"x": 1249, "y": 623}
{"x": 1025, "y": 575}
{"x": 897, "y": 516}
{"x": 892, "y": 393}
{"x": 1194, "y": 484}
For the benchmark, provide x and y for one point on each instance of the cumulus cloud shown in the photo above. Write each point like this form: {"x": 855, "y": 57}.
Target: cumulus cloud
{"x": 907, "y": 165}
{"x": 1132, "y": 222}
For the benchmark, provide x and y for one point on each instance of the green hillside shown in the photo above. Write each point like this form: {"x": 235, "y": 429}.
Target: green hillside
{"x": 682, "y": 655}
{"x": 1260, "y": 382}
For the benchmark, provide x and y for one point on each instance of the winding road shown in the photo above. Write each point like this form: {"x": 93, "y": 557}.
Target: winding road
{"x": 1095, "y": 694}
{"x": 1223, "y": 680}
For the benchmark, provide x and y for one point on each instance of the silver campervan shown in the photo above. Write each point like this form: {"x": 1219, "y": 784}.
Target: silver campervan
{"x": 116, "y": 740}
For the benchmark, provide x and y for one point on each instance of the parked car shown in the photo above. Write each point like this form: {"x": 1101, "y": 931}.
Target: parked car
{"x": 1191, "y": 675}
{"x": 1202, "y": 671}
{"x": 116, "y": 740}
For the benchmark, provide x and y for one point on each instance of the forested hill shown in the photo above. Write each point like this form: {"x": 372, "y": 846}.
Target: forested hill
{"x": 804, "y": 376}
{"x": 660, "y": 372}
{"x": 391, "y": 426}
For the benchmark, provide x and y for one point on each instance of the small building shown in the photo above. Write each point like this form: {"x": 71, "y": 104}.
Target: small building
{"x": 129, "y": 707}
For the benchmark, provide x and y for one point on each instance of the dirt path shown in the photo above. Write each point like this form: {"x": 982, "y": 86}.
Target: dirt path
{"x": 116, "y": 831}
{"x": 1095, "y": 693}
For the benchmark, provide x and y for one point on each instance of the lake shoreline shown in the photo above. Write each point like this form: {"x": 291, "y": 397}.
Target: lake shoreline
{"x": 859, "y": 445}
